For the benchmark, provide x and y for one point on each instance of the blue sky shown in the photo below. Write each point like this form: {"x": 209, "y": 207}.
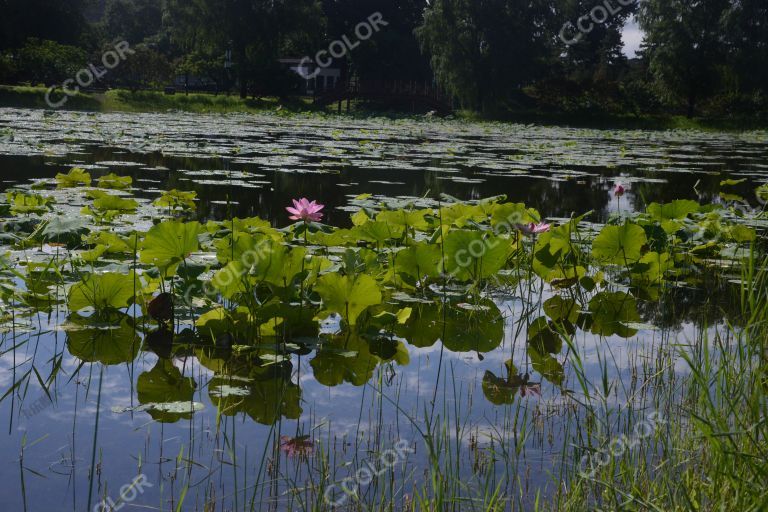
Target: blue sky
{"x": 633, "y": 36}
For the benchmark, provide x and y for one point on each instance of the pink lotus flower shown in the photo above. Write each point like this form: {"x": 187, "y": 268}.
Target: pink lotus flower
{"x": 533, "y": 228}
{"x": 296, "y": 446}
{"x": 619, "y": 190}
{"x": 306, "y": 211}
{"x": 531, "y": 389}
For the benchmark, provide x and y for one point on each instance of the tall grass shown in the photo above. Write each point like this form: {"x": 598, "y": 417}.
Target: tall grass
{"x": 712, "y": 452}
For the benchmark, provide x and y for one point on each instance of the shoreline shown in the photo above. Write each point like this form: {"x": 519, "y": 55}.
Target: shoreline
{"x": 121, "y": 100}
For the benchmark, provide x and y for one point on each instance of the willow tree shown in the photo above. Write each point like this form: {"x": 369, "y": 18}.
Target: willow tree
{"x": 684, "y": 46}
{"x": 257, "y": 32}
{"x": 746, "y": 25}
{"x": 484, "y": 51}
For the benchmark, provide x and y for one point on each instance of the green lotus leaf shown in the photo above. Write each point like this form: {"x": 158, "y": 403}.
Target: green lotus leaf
{"x": 543, "y": 337}
{"x": 551, "y": 250}
{"x": 231, "y": 280}
{"x": 559, "y": 309}
{"x": 412, "y": 219}
{"x": 25, "y": 204}
{"x": 167, "y": 244}
{"x": 732, "y": 183}
{"x": 235, "y": 247}
{"x": 219, "y": 321}
{"x": 67, "y": 230}
{"x": 480, "y": 329}
{"x": 507, "y": 216}
{"x": 461, "y": 214}
{"x": 546, "y": 365}
{"x": 469, "y": 255}
{"x": 378, "y": 232}
{"x": 264, "y": 400}
{"x": 762, "y": 193}
{"x": 651, "y": 268}
{"x": 164, "y": 384}
{"x": 348, "y": 296}
{"x": 106, "y": 344}
{"x": 679, "y": 209}
{"x": 619, "y": 245}
{"x": 108, "y": 202}
{"x": 610, "y": 313}
{"x": 742, "y": 234}
{"x": 261, "y": 259}
{"x": 419, "y": 261}
{"x": 177, "y": 200}
{"x": 346, "y": 359}
{"x": 76, "y": 177}
{"x": 500, "y": 391}
{"x": 103, "y": 292}
{"x": 113, "y": 243}
{"x": 424, "y": 326}
{"x": 115, "y": 182}
{"x": 338, "y": 238}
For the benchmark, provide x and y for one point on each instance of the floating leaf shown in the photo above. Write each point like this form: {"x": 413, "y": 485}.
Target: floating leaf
{"x": 25, "y": 204}
{"x": 265, "y": 400}
{"x": 177, "y": 200}
{"x": 166, "y": 389}
{"x": 115, "y": 182}
{"x": 347, "y": 296}
{"x": 419, "y": 261}
{"x": 76, "y": 177}
{"x": 470, "y": 255}
{"x": 347, "y": 359}
{"x": 679, "y": 209}
{"x": 619, "y": 245}
{"x": 106, "y": 344}
{"x": 102, "y": 292}
{"x": 610, "y": 313}
{"x": 167, "y": 244}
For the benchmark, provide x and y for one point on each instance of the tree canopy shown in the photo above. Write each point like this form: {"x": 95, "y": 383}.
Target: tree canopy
{"x": 707, "y": 57}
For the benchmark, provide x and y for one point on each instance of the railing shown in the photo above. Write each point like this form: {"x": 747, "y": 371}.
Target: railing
{"x": 387, "y": 91}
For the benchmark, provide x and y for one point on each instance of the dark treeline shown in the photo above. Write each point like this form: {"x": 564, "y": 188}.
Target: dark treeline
{"x": 708, "y": 57}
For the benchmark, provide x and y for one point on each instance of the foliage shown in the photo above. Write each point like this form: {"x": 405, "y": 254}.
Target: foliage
{"x": 115, "y": 182}
{"x": 169, "y": 243}
{"x": 76, "y": 177}
{"x": 22, "y": 203}
{"x": 49, "y": 62}
{"x": 103, "y": 292}
{"x": 177, "y": 200}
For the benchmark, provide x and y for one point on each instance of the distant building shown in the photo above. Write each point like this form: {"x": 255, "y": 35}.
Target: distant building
{"x": 194, "y": 83}
{"x": 316, "y": 80}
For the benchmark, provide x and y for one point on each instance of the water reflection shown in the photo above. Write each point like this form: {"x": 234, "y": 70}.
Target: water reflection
{"x": 202, "y": 409}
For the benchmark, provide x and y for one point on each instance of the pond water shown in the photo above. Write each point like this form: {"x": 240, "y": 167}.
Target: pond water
{"x": 206, "y": 426}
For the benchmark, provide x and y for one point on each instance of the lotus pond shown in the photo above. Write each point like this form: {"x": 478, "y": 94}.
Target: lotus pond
{"x": 476, "y": 315}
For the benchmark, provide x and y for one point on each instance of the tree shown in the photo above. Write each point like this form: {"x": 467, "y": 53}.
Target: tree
{"x": 746, "y": 29}
{"x": 590, "y": 38}
{"x": 392, "y": 53}
{"x": 145, "y": 67}
{"x": 49, "y": 62}
{"x": 54, "y": 20}
{"x": 684, "y": 46}
{"x": 133, "y": 20}
{"x": 256, "y": 32}
{"x": 483, "y": 51}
